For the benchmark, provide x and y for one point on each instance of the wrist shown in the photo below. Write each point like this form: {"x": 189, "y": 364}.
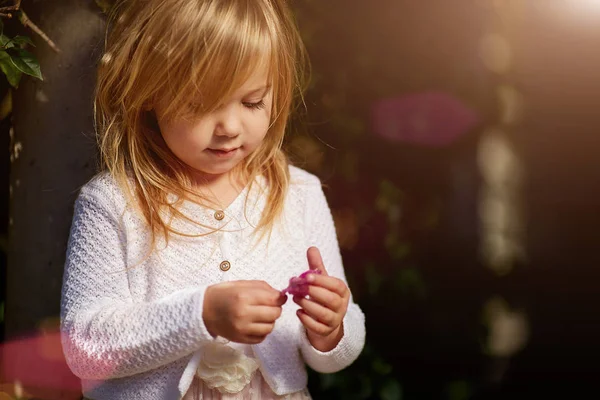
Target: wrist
{"x": 326, "y": 343}
{"x": 206, "y": 314}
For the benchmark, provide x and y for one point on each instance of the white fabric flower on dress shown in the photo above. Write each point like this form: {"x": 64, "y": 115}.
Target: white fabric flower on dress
{"x": 224, "y": 368}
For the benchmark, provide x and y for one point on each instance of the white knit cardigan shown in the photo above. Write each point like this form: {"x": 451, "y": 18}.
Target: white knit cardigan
{"x": 132, "y": 325}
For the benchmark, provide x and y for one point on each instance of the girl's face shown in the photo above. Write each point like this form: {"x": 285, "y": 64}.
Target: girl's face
{"x": 215, "y": 143}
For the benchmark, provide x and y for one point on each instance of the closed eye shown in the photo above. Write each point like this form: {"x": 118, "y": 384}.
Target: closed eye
{"x": 254, "y": 106}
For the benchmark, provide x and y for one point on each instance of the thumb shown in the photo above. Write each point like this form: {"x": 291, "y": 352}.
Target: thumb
{"x": 315, "y": 262}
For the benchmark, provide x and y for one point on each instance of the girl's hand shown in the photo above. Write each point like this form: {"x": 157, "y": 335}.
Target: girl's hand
{"x": 242, "y": 311}
{"x": 324, "y": 310}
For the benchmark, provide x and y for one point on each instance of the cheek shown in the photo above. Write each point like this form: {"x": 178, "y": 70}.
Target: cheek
{"x": 259, "y": 130}
{"x": 261, "y": 125}
{"x": 183, "y": 137}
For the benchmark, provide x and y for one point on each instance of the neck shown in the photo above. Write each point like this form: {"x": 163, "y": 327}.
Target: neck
{"x": 220, "y": 189}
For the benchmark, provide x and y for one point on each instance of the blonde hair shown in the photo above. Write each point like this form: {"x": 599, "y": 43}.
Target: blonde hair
{"x": 174, "y": 50}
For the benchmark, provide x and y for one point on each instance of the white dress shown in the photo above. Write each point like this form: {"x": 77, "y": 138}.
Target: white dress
{"x": 131, "y": 323}
{"x": 256, "y": 389}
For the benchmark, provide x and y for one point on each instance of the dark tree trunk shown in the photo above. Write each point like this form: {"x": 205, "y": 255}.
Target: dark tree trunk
{"x": 53, "y": 154}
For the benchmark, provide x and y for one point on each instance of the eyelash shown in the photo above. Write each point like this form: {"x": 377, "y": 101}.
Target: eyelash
{"x": 251, "y": 106}
{"x": 255, "y": 106}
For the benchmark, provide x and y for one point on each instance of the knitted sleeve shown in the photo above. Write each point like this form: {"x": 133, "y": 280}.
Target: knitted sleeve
{"x": 321, "y": 233}
{"x": 105, "y": 333}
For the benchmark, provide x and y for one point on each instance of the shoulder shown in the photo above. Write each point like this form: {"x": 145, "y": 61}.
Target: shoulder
{"x": 304, "y": 188}
{"x": 302, "y": 179}
{"x": 104, "y": 191}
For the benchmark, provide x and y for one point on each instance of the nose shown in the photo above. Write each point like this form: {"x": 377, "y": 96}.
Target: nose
{"x": 229, "y": 122}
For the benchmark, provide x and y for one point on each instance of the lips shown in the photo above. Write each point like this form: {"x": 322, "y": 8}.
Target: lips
{"x": 224, "y": 152}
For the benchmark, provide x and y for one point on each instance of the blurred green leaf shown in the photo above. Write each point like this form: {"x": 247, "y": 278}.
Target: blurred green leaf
{"x": 366, "y": 386}
{"x": 409, "y": 281}
{"x": 381, "y": 203}
{"x": 374, "y": 279}
{"x": 10, "y": 70}
{"x": 388, "y": 195}
{"x": 18, "y": 40}
{"x": 433, "y": 216}
{"x": 6, "y": 42}
{"x": 21, "y": 40}
{"x": 381, "y": 367}
{"x": 352, "y": 127}
{"x": 391, "y": 239}
{"x": 390, "y": 190}
{"x": 396, "y": 248}
{"x": 365, "y": 379}
{"x": 21, "y": 16}
{"x": 459, "y": 390}
{"x": 26, "y": 62}
{"x": 394, "y": 214}
{"x": 399, "y": 251}
{"x": 391, "y": 390}
{"x": 329, "y": 381}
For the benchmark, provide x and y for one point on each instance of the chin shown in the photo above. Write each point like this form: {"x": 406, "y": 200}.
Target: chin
{"x": 216, "y": 170}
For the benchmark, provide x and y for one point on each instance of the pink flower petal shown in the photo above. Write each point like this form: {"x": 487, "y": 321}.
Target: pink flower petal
{"x": 38, "y": 363}
{"x": 428, "y": 118}
{"x": 298, "y": 286}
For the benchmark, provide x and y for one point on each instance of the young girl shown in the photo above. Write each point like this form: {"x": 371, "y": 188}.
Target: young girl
{"x": 181, "y": 247}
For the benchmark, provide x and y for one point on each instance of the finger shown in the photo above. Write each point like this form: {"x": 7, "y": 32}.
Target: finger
{"x": 261, "y": 287}
{"x": 253, "y": 339}
{"x": 313, "y": 325}
{"x": 250, "y": 284}
{"x": 260, "y": 329}
{"x": 326, "y": 298}
{"x": 318, "y": 312}
{"x": 328, "y": 282}
{"x": 265, "y": 314}
{"x": 315, "y": 261}
{"x": 270, "y": 297}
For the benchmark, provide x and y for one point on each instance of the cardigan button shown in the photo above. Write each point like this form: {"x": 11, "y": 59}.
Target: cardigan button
{"x": 225, "y": 266}
{"x": 219, "y": 215}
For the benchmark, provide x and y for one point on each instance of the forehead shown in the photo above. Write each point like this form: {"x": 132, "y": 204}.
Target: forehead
{"x": 258, "y": 78}
{"x": 230, "y": 76}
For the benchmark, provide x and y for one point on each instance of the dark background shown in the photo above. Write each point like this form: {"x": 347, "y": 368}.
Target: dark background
{"x": 418, "y": 271}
